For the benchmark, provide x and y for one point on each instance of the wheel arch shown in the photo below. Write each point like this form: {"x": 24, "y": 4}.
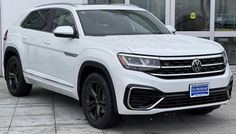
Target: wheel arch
{"x": 9, "y": 52}
{"x": 89, "y": 67}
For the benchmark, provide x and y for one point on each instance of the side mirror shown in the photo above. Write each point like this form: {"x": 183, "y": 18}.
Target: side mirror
{"x": 171, "y": 29}
{"x": 65, "y": 32}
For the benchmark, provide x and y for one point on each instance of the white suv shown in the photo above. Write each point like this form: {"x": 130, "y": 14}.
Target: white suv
{"x": 115, "y": 59}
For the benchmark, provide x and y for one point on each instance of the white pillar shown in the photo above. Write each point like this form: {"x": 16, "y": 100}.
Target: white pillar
{"x": 84, "y": 1}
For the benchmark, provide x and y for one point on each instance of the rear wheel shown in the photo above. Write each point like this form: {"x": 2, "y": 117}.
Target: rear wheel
{"x": 97, "y": 102}
{"x": 203, "y": 111}
{"x": 15, "y": 80}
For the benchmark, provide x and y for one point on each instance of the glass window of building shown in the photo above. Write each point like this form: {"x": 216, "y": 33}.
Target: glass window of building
{"x": 156, "y": 7}
{"x": 192, "y": 15}
{"x": 229, "y": 43}
{"x": 105, "y": 1}
{"x": 225, "y": 17}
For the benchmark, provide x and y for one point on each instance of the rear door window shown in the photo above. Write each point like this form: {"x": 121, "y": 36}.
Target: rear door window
{"x": 39, "y": 20}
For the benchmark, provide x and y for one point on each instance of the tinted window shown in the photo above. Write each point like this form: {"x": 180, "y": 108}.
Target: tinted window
{"x": 225, "y": 18}
{"x": 63, "y": 18}
{"x": 229, "y": 43}
{"x": 105, "y": 1}
{"x": 157, "y": 7}
{"x": 192, "y": 15}
{"x": 120, "y": 22}
{"x": 38, "y": 20}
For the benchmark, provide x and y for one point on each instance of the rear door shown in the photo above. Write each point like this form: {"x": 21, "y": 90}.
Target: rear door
{"x": 36, "y": 30}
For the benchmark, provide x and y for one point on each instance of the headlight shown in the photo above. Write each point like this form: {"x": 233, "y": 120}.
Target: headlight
{"x": 225, "y": 57}
{"x": 139, "y": 63}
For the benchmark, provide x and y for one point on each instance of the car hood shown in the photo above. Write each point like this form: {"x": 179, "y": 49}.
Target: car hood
{"x": 167, "y": 45}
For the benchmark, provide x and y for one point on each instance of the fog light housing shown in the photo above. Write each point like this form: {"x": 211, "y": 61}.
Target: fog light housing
{"x": 142, "y": 98}
{"x": 229, "y": 89}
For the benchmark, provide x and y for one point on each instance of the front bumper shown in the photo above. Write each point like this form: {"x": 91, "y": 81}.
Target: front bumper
{"x": 168, "y": 89}
{"x": 146, "y": 98}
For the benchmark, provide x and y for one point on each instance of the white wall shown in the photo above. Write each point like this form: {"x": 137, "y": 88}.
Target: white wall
{"x": 12, "y": 9}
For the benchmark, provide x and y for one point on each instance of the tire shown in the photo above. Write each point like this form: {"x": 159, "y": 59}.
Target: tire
{"x": 15, "y": 80}
{"x": 97, "y": 102}
{"x": 203, "y": 111}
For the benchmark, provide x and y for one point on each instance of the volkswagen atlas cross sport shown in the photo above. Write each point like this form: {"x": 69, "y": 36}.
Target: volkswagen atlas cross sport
{"x": 116, "y": 59}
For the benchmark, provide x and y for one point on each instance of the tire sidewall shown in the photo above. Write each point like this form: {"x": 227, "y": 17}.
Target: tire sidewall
{"x": 21, "y": 77}
{"x": 109, "y": 108}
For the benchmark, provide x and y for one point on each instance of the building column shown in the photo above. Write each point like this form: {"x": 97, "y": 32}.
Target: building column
{"x": 84, "y": 1}
{"x": 1, "y": 44}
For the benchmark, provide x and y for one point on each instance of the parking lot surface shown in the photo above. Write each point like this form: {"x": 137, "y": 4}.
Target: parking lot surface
{"x": 45, "y": 112}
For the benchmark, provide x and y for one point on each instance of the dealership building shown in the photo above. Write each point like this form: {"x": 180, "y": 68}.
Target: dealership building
{"x": 210, "y": 19}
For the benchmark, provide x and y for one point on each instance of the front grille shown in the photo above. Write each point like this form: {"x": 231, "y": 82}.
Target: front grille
{"x": 183, "y": 99}
{"x": 181, "y": 67}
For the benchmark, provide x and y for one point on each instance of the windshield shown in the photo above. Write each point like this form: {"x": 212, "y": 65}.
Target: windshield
{"x": 119, "y": 22}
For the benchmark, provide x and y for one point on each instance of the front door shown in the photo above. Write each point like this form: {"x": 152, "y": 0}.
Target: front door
{"x": 63, "y": 52}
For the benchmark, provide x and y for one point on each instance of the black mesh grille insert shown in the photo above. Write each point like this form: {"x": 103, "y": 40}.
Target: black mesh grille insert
{"x": 183, "y": 99}
{"x": 141, "y": 98}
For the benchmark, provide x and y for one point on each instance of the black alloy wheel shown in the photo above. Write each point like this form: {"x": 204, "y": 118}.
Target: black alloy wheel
{"x": 97, "y": 102}
{"x": 13, "y": 76}
{"x": 15, "y": 80}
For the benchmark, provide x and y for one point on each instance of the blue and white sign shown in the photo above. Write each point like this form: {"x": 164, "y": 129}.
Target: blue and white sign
{"x": 199, "y": 90}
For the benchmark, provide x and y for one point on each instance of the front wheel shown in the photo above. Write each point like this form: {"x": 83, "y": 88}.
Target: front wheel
{"x": 97, "y": 102}
{"x": 15, "y": 80}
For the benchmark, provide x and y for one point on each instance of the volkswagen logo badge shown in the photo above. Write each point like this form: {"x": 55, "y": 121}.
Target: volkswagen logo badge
{"x": 196, "y": 65}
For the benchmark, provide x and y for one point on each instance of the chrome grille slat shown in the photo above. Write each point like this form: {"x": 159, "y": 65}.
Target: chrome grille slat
{"x": 192, "y": 57}
{"x": 205, "y": 65}
{"x": 216, "y": 64}
{"x": 175, "y": 66}
{"x": 188, "y": 73}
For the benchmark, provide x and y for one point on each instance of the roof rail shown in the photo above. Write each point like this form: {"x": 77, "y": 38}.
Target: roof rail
{"x": 114, "y": 4}
{"x": 75, "y": 4}
{"x": 69, "y": 4}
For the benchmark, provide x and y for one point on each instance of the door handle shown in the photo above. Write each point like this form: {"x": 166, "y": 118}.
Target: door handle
{"x": 47, "y": 42}
{"x": 71, "y": 54}
{"x": 24, "y": 37}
